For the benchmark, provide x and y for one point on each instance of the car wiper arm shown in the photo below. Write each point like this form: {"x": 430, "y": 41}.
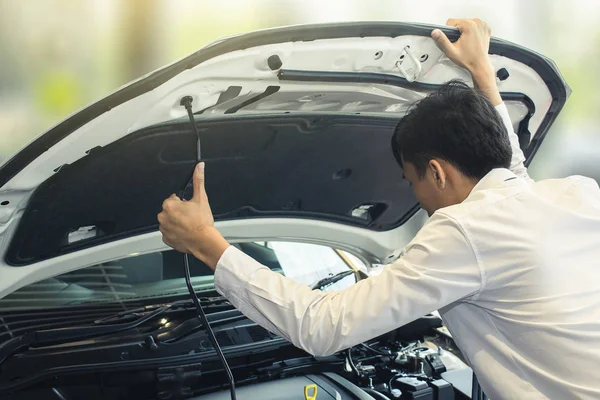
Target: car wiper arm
{"x": 137, "y": 312}
{"x": 47, "y": 337}
{"x": 331, "y": 279}
{"x": 104, "y": 326}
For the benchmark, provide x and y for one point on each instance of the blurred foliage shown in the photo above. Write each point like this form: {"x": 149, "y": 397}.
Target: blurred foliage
{"x": 57, "y": 93}
{"x": 59, "y": 55}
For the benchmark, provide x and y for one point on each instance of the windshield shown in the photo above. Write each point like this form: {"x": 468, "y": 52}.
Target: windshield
{"x": 161, "y": 274}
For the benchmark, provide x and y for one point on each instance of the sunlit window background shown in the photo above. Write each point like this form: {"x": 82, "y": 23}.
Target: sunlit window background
{"x": 56, "y": 56}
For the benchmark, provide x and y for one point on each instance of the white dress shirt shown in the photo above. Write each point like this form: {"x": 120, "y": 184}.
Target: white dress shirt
{"x": 514, "y": 271}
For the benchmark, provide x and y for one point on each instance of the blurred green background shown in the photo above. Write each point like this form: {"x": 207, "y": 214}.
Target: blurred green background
{"x": 56, "y": 56}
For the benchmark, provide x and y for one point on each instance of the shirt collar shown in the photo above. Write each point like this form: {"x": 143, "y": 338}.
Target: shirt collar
{"x": 494, "y": 179}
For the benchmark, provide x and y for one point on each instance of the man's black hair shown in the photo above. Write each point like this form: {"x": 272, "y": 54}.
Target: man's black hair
{"x": 457, "y": 124}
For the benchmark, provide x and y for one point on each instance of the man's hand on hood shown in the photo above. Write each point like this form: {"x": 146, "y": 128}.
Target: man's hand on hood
{"x": 470, "y": 51}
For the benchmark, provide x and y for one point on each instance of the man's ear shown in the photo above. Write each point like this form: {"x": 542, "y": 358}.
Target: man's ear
{"x": 438, "y": 174}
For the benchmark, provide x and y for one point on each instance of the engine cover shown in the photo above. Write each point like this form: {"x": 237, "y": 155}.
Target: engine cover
{"x": 329, "y": 387}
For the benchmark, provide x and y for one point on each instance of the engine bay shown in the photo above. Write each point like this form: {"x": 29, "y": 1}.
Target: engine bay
{"x": 177, "y": 362}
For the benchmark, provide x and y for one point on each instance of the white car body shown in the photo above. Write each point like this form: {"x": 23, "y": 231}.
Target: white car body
{"x": 353, "y": 49}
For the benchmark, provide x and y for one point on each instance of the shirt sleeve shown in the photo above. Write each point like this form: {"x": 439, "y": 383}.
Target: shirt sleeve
{"x": 517, "y": 160}
{"x": 439, "y": 267}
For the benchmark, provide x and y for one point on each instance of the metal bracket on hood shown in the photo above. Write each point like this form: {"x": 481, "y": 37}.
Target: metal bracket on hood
{"x": 410, "y": 73}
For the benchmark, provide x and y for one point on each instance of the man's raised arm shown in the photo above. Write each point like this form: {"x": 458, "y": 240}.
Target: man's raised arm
{"x": 470, "y": 51}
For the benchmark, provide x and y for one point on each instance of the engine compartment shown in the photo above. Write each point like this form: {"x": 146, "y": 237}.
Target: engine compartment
{"x": 413, "y": 372}
{"x": 328, "y": 386}
{"x": 407, "y": 363}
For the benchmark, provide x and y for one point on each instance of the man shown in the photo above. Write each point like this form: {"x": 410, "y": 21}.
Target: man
{"x": 512, "y": 265}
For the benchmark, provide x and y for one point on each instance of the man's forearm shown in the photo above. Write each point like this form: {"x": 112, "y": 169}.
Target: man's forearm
{"x": 484, "y": 80}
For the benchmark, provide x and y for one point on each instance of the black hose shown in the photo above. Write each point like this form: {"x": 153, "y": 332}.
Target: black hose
{"x": 376, "y": 351}
{"x": 376, "y": 394}
{"x": 186, "y": 102}
{"x": 211, "y": 334}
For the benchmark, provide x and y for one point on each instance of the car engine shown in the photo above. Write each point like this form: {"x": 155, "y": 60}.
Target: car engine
{"x": 171, "y": 362}
{"x": 408, "y": 363}
{"x": 368, "y": 371}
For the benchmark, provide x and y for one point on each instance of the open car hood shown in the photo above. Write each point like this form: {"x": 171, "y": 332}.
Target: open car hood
{"x": 296, "y": 126}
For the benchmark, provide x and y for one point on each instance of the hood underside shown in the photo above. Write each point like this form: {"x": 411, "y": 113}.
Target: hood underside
{"x": 324, "y": 167}
{"x": 295, "y": 123}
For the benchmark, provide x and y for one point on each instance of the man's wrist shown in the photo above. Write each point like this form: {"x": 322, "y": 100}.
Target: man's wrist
{"x": 483, "y": 74}
{"x": 212, "y": 249}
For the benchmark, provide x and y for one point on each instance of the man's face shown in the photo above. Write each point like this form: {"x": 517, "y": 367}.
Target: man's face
{"x": 426, "y": 189}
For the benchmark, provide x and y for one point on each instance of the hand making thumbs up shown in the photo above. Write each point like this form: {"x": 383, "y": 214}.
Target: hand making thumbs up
{"x": 189, "y": 226}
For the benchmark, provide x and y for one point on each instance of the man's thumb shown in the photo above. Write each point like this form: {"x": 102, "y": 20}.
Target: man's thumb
{"x": 441, "y": 40}
{"x": 198, "y": 182}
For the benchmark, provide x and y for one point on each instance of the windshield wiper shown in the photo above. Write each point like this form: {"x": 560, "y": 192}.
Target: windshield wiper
{"x": 331, "y": 279}
{"x": 135, "y": 313}
{"x": 104, "y": 326}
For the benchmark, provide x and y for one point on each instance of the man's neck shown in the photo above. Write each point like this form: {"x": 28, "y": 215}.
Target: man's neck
{"x": 464, "y": 189}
